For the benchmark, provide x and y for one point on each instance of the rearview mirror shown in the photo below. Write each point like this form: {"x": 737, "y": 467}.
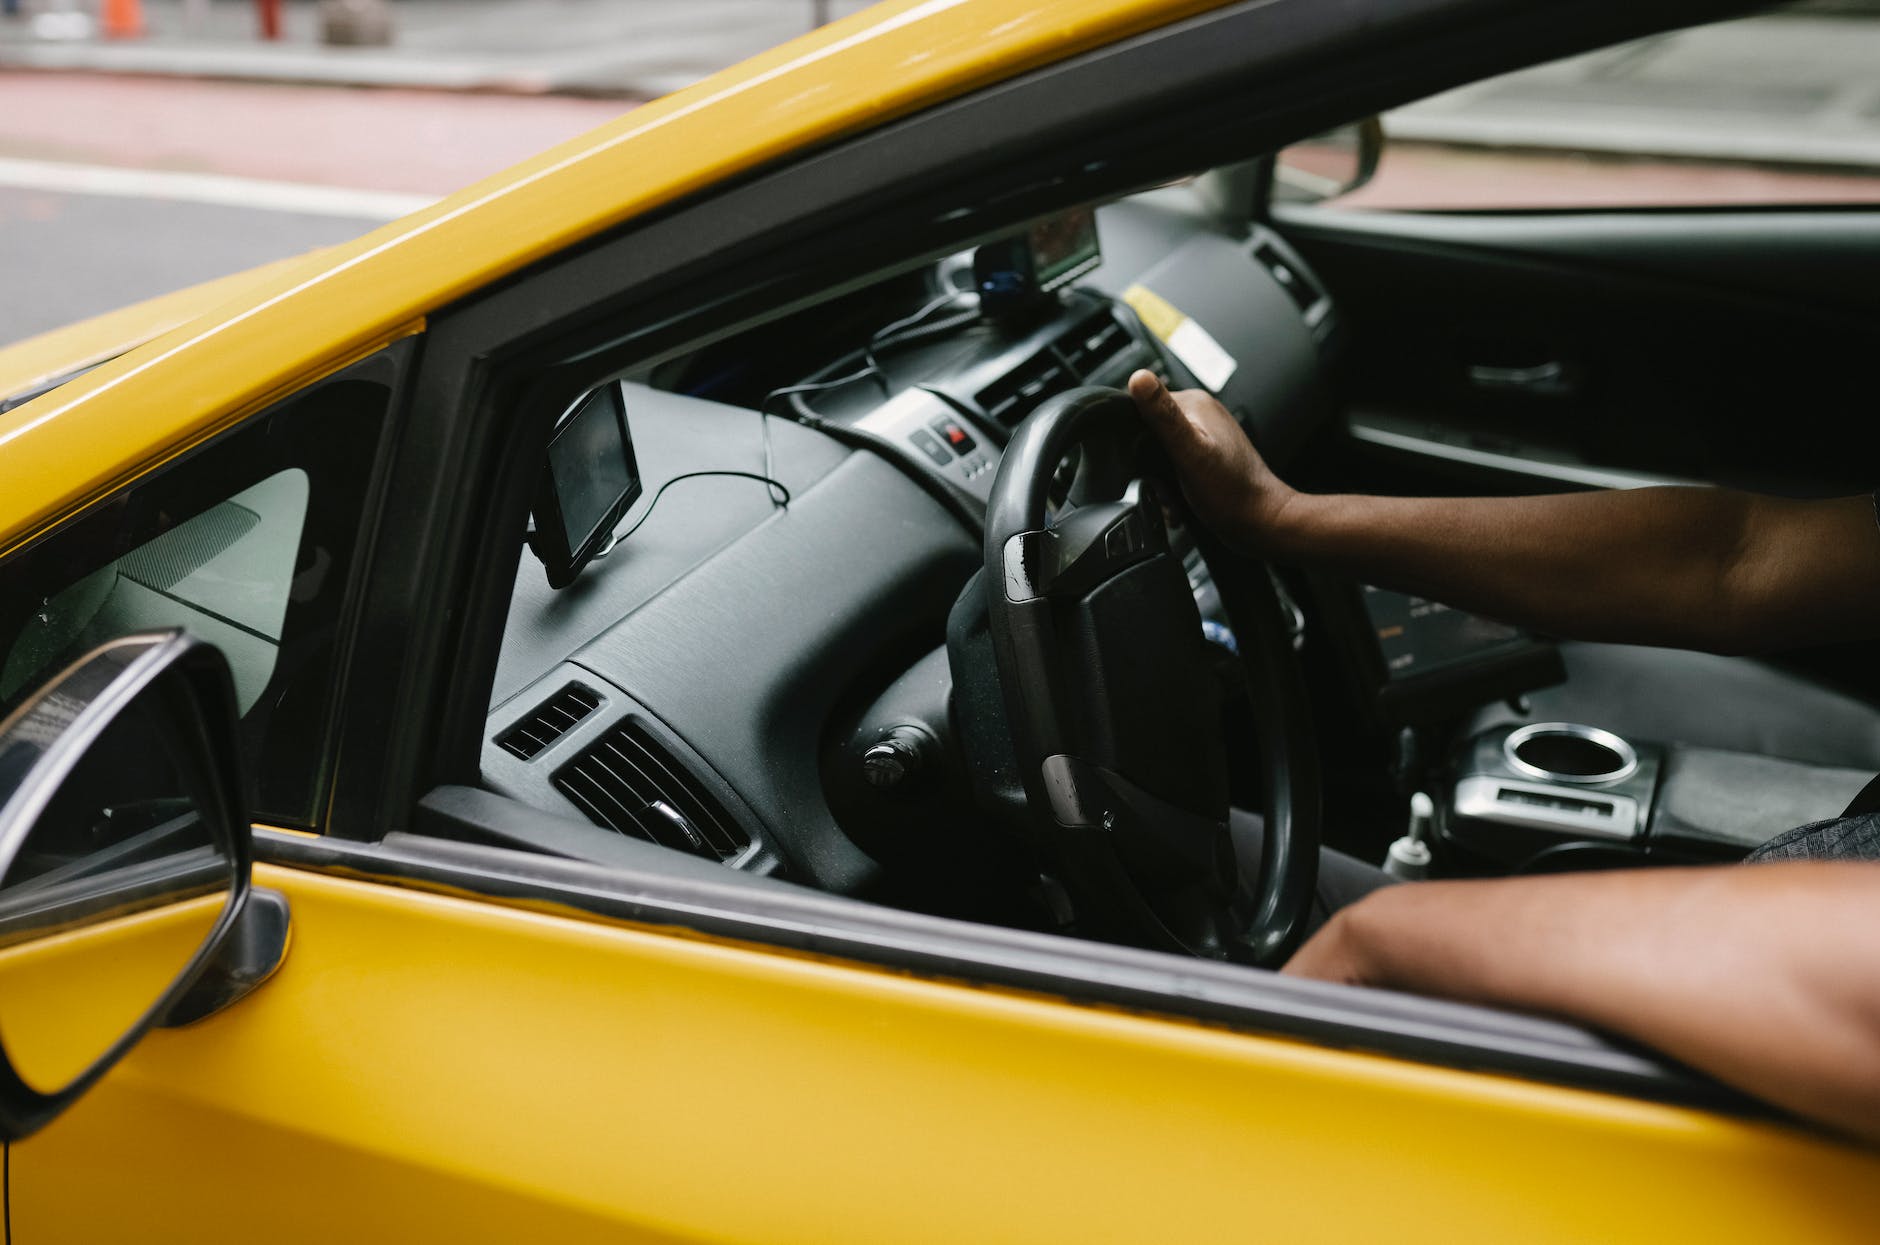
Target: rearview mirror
{"x": 123, "y": 865}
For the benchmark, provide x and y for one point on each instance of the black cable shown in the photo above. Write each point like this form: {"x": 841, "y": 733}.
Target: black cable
{"x": 795, "y": 394}
{"x": 6, "y": 1190}
{"x": 906, "y": 329}
{"x": 910, "y": 328}
{"x": 937, "y": 329}
{"x": 890, "y": 329}
{"x": 957, "y": 501}
{"x": 776, "y": 487}
{"x": 871, "y": 367}
{"x": 961, "y": 505}
{"x": 817, "y": 386}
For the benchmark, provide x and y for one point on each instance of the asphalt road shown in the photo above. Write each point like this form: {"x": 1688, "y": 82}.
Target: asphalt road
{"x": 114, "y": 190}
{"x": 69, "y": 256}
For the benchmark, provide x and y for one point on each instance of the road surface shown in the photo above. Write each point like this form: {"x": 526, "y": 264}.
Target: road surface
{"x": 117, "y": 189}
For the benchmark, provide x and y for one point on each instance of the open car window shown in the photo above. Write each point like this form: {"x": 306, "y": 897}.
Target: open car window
{"x": 1773, "y": 108}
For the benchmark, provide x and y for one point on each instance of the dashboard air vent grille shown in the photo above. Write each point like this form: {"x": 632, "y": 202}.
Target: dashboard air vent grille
{"x": 1018, "y": 393}
{"x": 630, "y": 783}
{"x": 1093, "y": 343}
{"x": 1303, "y": 293}
{"x": 549, "y": 721}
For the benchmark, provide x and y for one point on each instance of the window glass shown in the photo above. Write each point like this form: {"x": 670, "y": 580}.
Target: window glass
{"x": 1777, "y": 108}
{"x": 247, "y": 543}
{"x": 222, "y": 575}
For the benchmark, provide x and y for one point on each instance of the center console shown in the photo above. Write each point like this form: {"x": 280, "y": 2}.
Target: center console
{"x": 1520, "y": 790}
{"x": 1527, "y": 796}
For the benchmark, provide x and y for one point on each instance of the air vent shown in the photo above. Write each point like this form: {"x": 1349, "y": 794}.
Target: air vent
{"x": 549, "y": 721}
{"x": 630, "y": 783}
{"x": 1290, "y": 278}
{"x": 1095, "y": 342}
{"x": 1018, "y": 393}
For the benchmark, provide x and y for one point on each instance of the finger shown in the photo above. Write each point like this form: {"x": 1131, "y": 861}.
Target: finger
{"x": 1153, "y": 400}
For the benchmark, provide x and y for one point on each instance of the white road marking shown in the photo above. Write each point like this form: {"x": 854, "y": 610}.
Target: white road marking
{"x": 243, "y": 192}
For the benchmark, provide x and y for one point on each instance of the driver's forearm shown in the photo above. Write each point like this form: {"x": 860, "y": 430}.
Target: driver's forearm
{"x": 1761, "y": 975}
{"x": 1689, "y": 567}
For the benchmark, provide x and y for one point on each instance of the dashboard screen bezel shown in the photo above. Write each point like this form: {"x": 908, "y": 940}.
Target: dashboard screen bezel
{"x": 563, "y": 554}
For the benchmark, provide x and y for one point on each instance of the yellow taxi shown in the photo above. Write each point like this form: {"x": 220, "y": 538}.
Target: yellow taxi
{"x": 599, "y": 710}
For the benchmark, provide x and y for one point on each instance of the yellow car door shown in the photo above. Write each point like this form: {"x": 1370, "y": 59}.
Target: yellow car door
{"x": 433, "y": 1066}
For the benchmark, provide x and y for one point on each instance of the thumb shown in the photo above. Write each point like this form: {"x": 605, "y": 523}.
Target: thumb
{"x": 1155, "y": 403}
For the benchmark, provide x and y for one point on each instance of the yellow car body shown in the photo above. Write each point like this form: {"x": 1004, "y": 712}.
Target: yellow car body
{"x": 435, "y": 1063}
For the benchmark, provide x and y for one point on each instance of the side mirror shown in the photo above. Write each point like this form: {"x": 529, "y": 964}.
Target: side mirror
{"x": 124, "y": 861}
{"x": 1329, "y": 165}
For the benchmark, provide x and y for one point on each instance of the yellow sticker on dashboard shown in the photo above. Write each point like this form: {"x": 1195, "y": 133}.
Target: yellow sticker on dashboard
{"x": 1184, "y": 337}
{"x": 1158, "y": 314}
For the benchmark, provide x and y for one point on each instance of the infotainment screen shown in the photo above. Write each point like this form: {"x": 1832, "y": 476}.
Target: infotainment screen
{"x": 590, "y": 481}
{"x": 1016, "y": 276}
{"x": 1063, "y": 248}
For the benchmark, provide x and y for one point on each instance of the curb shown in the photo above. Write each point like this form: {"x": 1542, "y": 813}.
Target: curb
{"x": 328, "y": 68}
{"x": 1643, "y": 137}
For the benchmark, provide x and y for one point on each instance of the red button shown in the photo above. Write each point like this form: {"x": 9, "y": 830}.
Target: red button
{"x": 955, "y": 436}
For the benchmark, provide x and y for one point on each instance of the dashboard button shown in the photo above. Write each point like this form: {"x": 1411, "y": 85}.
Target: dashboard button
{"x": 925, "y": 443}
{"x": 955, "y": 437}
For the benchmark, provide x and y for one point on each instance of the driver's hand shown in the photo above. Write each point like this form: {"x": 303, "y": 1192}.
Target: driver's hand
{"x": 1224, "y": 478}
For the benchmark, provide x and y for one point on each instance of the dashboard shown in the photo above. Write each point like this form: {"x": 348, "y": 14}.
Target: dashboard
{"x": 691, "y": 687}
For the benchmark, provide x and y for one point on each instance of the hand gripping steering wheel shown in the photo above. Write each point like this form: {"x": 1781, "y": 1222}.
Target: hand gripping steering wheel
{"x": 1113, "y": 708}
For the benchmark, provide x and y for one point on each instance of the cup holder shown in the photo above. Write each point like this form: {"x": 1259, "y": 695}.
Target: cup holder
{"x": 1568, "y": 752}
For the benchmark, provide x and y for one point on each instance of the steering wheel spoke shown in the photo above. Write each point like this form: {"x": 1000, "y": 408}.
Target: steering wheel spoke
{"x": 1087, "y": 546}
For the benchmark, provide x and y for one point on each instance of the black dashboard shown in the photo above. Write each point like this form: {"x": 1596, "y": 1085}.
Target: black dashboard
{"x": 683, "y": 688}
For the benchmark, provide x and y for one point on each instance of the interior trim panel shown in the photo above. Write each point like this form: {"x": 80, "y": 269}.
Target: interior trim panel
{"x": 1405, "y": 435}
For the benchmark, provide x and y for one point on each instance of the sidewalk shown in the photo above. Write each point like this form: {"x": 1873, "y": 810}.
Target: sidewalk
{"x": 1771, "y": 90}
{"x": 1787, "y": 90}
{"x": 635, "y": 49}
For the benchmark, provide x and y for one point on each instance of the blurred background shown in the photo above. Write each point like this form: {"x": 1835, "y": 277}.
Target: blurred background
{"x": 150, "y": 144}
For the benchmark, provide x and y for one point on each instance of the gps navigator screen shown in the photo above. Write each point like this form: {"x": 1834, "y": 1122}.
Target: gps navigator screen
{"x": 592, "y": 465}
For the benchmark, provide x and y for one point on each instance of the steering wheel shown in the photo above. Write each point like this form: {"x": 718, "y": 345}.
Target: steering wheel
{"x": 1112, "y": 704}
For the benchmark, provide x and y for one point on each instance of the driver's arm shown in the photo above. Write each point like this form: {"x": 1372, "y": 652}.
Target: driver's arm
{"x": 1763, "y": 976}
{"x": 1686, "y": 567}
